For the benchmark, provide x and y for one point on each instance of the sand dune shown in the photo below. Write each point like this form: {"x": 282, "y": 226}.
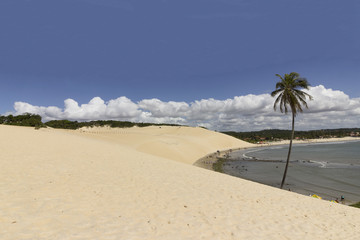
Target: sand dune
{"x": 183, "y": 144}
{"x": 139, "y": 183}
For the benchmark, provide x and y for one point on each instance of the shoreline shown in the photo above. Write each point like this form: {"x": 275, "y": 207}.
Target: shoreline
{"x": 214, "y": 161}
{"x": 210, "y": 158}
{"x": 313, "y": 141}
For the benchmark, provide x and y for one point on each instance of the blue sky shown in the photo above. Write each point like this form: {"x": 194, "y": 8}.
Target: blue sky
{"x": 181, "y": 51}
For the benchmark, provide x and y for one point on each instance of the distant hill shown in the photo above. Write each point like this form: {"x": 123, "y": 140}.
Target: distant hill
{"x": 277, "y": 134}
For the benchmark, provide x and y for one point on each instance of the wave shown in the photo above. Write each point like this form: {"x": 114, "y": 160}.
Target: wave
{"x": 251, "y": 151}
{"x": 244, "y": 155}
{"x": 325, "y": 164}
{"x": 325, "y": 155}
{"x": 277, "y": 147}
{"x": 328, "y": 143}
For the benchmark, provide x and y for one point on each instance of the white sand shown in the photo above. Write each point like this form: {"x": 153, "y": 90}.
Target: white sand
{"x": 139, "y": 183}
{"x": 323, "y": 140}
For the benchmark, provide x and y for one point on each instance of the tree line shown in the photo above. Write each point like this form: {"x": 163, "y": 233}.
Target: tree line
{"x": 34, "y": 120}
{"x": 277, "y": 134}
{"x": 66, "y": 124}
{"x": 28, "y": 120}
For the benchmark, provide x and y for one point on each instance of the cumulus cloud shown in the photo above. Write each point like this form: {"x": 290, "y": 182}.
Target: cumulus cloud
{"x": 329, "y": 109}
{"x": 164, "y": 109}
{"x": 326, "y": 100}
{"x": 122, "y": 108}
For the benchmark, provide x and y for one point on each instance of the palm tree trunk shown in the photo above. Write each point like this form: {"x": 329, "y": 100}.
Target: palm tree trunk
{"x": 288, "y": 156}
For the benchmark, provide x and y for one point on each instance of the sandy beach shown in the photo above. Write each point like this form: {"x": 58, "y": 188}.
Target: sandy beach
{"x": 140, "y": 183}
{"x": 307, "y": 141}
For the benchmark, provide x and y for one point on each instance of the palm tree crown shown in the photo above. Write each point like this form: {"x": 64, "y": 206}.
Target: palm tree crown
{"x": 290, "y": 94}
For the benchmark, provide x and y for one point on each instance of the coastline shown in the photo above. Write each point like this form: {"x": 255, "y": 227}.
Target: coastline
{"x": 309, "y": 141}
{"x": 216, "y": 160}
{"x": 208, "y": 160}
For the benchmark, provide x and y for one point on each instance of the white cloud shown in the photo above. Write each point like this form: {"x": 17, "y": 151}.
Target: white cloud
{"x": 95, "y": 109}
{"x": 164, "y": 109}
{"x": 330, "y": 100}
{"x": 47, "y": 113}
{"x": 122, "y": 108}
{"x": 52, "y": 112}
{"x": 329, "y": 109}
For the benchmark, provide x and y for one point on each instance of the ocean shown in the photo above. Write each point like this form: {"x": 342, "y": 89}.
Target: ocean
{"x": 330, "y": 170}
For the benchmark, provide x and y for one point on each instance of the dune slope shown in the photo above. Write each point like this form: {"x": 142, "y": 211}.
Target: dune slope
{"x": 108, "y": 184}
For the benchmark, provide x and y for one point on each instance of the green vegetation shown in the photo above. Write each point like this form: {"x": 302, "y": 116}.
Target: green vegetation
{"x": 29, "y": 120}
{"x": 218, "y": 165}
{"x": 290, "y": 96}
{"x": 357, "y": 205}
{"x": 66, "y": 124}
{"x": 276, "y": 134}
{"x": 33, "y": 120}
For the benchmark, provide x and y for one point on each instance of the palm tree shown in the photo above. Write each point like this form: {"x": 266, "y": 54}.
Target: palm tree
{"x": 290, "y": 97}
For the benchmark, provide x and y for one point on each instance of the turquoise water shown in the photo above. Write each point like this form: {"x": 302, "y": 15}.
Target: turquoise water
{"x": 330, "y": 170}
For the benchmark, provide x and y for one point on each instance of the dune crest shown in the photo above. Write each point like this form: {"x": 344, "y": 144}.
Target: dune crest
{"x": 182, "y": 144}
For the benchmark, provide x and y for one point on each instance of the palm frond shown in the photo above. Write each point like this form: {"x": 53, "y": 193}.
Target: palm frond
{"x": 277, "y": 101}
{"x": 303, "y": 94}
{"x": 293, "y": 75}
{"x": 276, "y": 92}
{"x": 278, "y": 75}
{"x": 290, "y": 96}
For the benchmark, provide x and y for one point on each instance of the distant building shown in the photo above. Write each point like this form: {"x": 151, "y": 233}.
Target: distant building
{"x": 354, "y": 134}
